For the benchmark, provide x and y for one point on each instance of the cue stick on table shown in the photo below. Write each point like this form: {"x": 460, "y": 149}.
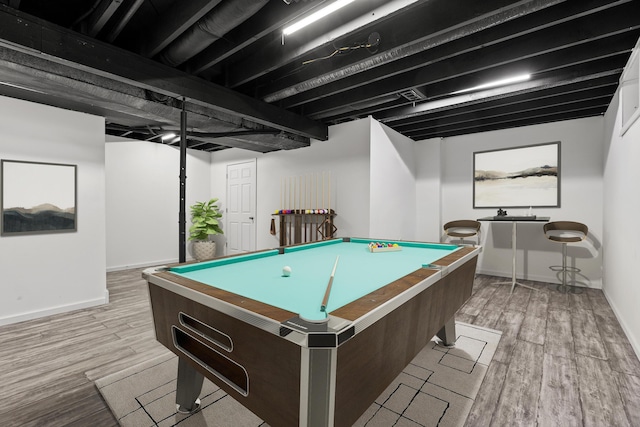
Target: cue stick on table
{"x": 325, "y": 300}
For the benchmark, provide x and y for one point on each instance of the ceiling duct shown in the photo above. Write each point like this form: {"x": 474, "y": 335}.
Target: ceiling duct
{"x": 413, "y": 95}
{"x": 215, "y": 24}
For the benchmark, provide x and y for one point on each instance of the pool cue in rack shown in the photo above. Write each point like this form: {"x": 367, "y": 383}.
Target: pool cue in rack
{"x": 297, "y": 195}
{"x": 305, "y": 212}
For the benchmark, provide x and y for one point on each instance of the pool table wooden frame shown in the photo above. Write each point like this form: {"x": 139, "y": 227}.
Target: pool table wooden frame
{"x": 262, "y": 356}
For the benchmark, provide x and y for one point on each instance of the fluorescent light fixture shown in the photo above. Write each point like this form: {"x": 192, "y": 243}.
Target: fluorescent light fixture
{"x": 21, "y": 87}
{"x": 509, "y": 80}
{"x": 315, "y": 16}
{"x": 167, "y": 136}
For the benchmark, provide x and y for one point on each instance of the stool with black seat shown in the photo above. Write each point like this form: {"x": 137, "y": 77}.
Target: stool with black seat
{"x": 565, "y": 232}
{"x": 463, "y": 228}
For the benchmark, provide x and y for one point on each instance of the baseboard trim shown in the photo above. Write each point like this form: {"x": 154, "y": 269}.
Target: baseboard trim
{"x": 143, "y": 265}
{"x": 54, "y": 310}
{"x": 634, "y": 344}
{"x": 536, "y": 278}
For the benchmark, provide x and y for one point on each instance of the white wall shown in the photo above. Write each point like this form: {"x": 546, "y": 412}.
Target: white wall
{"x": 621, "y": 209}
{"x": 428, "y": 191}
{"x": 373, "y": 185}
{"x": 345, "y": 155}
{"x": 44, "y": 274}
{"x": 392, "y": 179}
{"x": 581, "y": 199}
{"x": 142, "y": 201}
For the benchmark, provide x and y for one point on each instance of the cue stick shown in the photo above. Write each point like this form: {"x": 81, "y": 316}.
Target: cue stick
{"x": 329, "y": 192}
{"x": 289, "y": 192}
{"x": 299, "y": 192}
{"x": 325, "y": 300}
{"x": 309, "y": 189}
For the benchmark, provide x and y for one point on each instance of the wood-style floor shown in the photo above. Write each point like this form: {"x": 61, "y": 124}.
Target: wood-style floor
{"x": 563, "y": 359}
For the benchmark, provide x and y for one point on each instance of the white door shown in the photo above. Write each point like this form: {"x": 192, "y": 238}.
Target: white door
{"x": 241, "y": 207}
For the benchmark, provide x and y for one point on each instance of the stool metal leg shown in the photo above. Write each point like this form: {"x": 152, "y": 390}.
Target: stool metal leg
{"x": 564, "y": 287}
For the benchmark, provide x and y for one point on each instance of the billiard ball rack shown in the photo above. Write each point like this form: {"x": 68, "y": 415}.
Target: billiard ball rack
{"x": 384, "y": 247}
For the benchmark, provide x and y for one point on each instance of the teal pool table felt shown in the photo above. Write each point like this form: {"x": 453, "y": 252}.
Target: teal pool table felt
{"x": 259, "y": 275}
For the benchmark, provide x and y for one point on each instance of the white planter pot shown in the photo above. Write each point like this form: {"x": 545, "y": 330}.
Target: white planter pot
{"x": 204, "y": 249}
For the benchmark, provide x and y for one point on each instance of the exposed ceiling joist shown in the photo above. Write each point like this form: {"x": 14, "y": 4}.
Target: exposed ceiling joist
{"x": 58, "y": 45}
{"x": 527, "y": 55}
{"x": 414, "y": 64}
{"x": 168, "y": 26}
{"x": 123, "y": 20}
{"x": 474, "y": 35}
{"x": 101, "y": 15}
{"x": 550, "y": 95}
{"x": 276, "y": 53}
{"x": 419, "y": 35}
{"x": 272, "y": 17}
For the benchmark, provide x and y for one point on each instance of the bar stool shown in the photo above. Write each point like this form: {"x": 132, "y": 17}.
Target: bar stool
{"x": 463, "y": 228}
{"x": 565, "y": 232}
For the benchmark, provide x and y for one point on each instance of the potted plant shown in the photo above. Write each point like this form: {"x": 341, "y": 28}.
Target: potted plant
{"x": 204, "y": 217}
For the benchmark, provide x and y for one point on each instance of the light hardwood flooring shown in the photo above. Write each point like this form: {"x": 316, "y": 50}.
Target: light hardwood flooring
{"x": 562, "y": 360}
{"x": 47, "y": 366}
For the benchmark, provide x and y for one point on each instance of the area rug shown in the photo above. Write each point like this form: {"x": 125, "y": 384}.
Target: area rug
{"x": 438, "y": 388}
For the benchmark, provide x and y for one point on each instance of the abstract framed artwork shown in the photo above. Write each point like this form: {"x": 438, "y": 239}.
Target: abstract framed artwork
{"x": 37, "y": 197}
{"x": 521, "y": 177}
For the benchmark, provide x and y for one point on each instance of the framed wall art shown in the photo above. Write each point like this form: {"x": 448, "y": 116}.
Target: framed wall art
{"x": 520, "y": 177}
{"x": 37, "y": 197}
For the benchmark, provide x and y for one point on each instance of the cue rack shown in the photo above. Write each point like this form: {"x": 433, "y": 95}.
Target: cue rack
{"x": 298, "y": 227}
{"x": 305, "y": 213}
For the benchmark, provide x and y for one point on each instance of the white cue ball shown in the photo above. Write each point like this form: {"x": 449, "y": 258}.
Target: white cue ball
{"x": 286, "y": 271}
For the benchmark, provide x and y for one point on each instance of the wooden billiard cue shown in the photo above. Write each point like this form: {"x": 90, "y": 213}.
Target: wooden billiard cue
{"x": 329, "y": 193}
{"x": 325, "y": 300}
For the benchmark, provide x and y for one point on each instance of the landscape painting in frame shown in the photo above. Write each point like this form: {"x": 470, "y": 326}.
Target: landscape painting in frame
{"x": 37, "y": 197}
{"x": 522, "y": 177}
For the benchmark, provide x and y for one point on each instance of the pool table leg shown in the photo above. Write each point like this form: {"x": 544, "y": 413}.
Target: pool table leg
{"x": 317, "y": 408}
{"x": 188, "y": 388}
{"x": 448, "y": 333}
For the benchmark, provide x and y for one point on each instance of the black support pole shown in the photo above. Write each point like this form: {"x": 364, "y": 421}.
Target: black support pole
{"x": 182, "y": 216}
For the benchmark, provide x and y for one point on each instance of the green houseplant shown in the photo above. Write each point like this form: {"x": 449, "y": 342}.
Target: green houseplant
{"x": 205, "y": 222}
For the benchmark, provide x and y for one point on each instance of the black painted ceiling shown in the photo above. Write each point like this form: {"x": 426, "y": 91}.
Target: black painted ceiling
{"x": 139, "y": 63}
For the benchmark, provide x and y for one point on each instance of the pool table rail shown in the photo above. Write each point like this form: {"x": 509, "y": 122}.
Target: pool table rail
{"x": 263, "y": 316}
{"x": 361, "y": 312}
{"x": 406, "y": 288}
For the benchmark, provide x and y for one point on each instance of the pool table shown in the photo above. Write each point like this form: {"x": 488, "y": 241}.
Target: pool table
{"x": 267, "y": 340}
